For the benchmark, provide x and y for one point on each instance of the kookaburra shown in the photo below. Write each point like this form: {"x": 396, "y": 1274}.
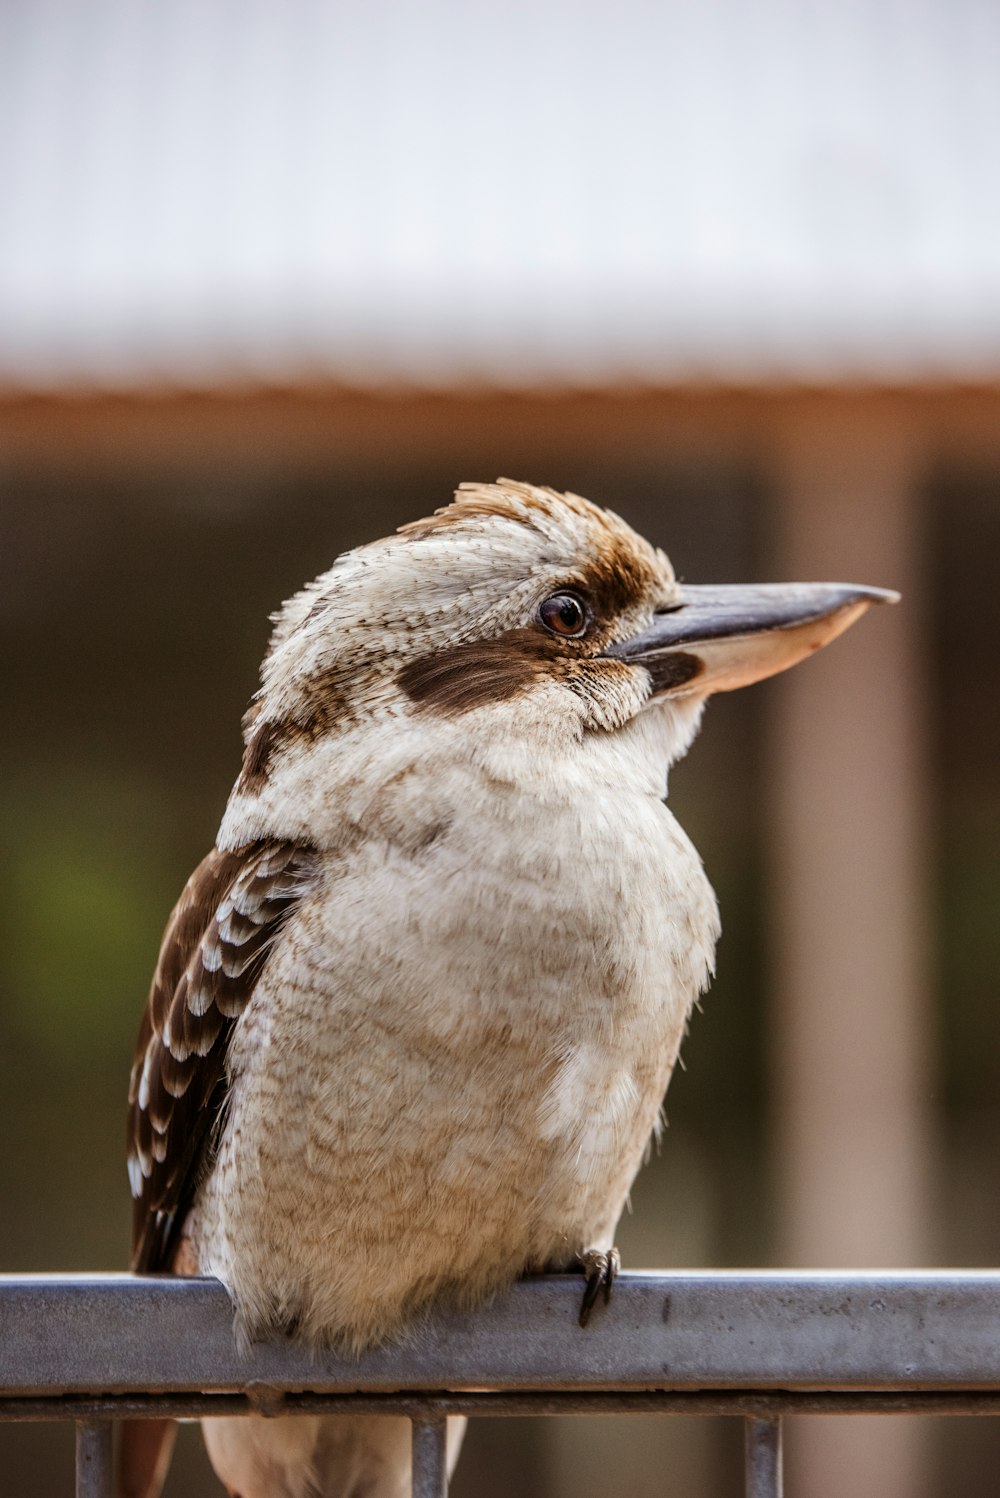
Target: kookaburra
{"x": 414, "y": 1015}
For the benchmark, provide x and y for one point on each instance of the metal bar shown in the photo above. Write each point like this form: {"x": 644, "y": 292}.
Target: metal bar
{"x": 666, "y": 1331}
{"x": 430, "y": 1457}
{"x": 762, "y": 1455}
{"x": 93, "y": 1459}
{"x": 739, "y": 1403}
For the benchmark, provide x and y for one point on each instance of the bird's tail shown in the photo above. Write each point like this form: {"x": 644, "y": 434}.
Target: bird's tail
{"x": 144, "y": 1457}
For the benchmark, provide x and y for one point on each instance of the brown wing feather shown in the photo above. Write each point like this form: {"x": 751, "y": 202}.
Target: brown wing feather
{"x": 213, "y": 951}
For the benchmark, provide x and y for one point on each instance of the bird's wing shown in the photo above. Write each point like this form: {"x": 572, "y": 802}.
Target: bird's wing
{"x": 214, "y": 948}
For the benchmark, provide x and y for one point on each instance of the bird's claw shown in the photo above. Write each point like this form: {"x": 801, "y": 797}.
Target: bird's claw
{"x": 601, "y": 1270}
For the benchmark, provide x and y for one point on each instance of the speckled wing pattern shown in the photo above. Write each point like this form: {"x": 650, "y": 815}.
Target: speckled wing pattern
{"x": 214, "y": 949}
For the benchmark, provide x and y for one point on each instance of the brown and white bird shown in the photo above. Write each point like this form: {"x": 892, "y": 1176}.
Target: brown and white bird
{"x": 415, "y": 1013}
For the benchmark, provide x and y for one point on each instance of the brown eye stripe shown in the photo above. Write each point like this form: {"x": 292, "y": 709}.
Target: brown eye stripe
{"x": 480, "y": 671}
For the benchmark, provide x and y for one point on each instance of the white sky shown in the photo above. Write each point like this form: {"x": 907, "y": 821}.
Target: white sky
{"x": 429, "y": 190}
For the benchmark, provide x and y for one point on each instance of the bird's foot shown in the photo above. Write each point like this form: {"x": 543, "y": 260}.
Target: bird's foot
{"x": 601, "y": 1269}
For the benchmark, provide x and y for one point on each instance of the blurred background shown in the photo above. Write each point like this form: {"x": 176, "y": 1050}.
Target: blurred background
{"x": 274, "y": 277}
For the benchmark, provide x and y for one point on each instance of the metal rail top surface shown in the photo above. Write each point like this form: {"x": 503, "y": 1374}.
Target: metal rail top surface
{"x": 124, "y": 1334}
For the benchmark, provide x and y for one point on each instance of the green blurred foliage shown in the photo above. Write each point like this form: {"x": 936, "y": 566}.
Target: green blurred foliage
{"x": 84, "y": 894}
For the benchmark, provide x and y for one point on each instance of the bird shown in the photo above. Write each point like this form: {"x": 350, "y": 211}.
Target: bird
{"x": 414, "y": 1015}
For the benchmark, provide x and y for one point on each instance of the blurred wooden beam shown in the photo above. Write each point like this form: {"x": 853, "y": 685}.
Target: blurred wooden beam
{"x": 265, "y": 429}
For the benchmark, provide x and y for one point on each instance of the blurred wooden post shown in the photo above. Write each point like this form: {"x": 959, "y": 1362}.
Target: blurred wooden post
{"x": 849, "y": 816}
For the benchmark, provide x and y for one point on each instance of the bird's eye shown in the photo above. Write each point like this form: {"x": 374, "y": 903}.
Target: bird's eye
{"x": 564, "y": 614}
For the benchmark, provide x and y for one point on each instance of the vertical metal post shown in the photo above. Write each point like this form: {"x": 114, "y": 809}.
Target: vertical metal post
{"x": 93, "y": 1459}
{"x": 762, "y": 1447}
{"x": 430, "y": 1458}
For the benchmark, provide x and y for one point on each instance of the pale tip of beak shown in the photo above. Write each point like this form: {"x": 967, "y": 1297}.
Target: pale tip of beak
{"x": 878, "y": 595}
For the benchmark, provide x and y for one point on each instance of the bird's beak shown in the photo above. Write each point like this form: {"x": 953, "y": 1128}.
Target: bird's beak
{"x": 714, "y": 639}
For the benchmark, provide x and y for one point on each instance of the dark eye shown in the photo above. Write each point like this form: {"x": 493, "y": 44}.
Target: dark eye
{"x": 564, "y": 614}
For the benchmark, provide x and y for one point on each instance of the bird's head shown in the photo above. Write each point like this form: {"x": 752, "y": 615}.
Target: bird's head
{"x": 537, "y": 612}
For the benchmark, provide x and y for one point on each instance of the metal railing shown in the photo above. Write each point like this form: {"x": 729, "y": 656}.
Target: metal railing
{"x": 96, "y": 1349}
